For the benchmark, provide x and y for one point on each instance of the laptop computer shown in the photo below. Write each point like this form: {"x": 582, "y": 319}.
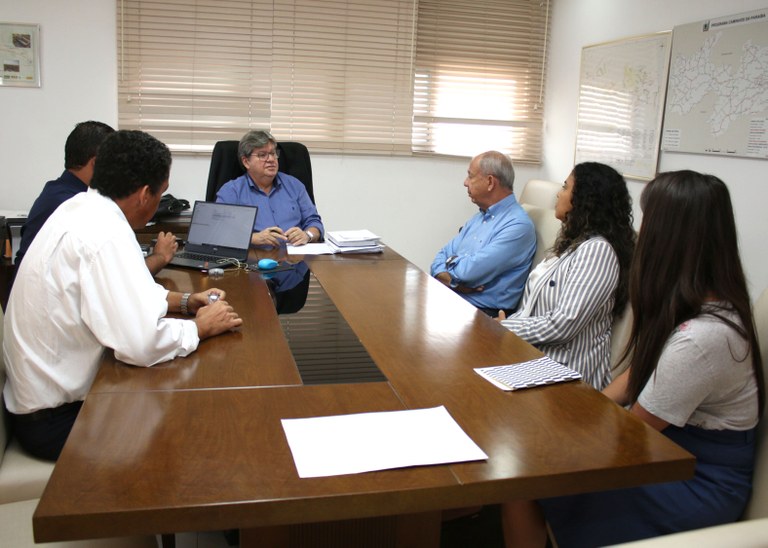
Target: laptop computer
{"x": 217, "y": 231}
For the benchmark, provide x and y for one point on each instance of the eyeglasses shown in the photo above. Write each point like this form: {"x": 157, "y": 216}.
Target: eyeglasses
{"x": 262, "y": 156}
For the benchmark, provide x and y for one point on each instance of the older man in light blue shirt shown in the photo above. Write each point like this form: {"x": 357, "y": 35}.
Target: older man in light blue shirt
{"x": 488, "y": 262}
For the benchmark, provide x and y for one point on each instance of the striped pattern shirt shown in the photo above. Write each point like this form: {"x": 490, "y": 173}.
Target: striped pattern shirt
{"x": 566, "y": 311}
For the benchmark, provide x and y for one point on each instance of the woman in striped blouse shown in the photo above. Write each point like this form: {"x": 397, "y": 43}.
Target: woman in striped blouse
{"x": 572, "y": 297}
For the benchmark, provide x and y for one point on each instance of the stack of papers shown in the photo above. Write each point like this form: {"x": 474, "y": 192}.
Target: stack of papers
{"x": 354, "y": 241}
{"x": 528, "y": 374}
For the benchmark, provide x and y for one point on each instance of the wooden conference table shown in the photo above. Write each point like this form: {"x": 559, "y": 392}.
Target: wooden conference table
{"x": 197, "y": 444}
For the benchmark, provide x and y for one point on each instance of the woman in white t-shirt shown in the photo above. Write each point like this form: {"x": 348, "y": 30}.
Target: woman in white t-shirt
{"x": 694, "y": 374}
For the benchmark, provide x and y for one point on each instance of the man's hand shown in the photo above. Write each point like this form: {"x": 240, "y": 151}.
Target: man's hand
{"x": 163, "y": 252}
{"x": 209, "y": 296}
{"x": 216, "y": 318}
{"x": 445, "y": 278}
{"x": 166, "y": 246}
{"x": 272, "y": 236}
{"x": 461, "y": 288}
{"x": 297, "y": 236}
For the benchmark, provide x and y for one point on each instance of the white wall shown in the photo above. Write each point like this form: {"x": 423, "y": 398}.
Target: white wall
{"x": 577, "y": 23}
{"x": 415, "y": 204}
{"x": 78, "y": 68}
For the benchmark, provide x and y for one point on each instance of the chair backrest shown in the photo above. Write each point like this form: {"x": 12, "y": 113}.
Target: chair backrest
{"x": 3, "y": 426}
{"x": 538, "y": 199}
{"x": 540, "y": 193}
{"x": 225, "y": 166}
{"x": 547, "y": 227}
{"x": 620, "y": 331}
{"x": 758, "y": 505}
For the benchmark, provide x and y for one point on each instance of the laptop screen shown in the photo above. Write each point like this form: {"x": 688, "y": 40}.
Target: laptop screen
{"x": 221, "y": 225}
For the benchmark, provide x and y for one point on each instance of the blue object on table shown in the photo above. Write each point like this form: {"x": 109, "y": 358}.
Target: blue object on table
{"x": 267, "y": 264}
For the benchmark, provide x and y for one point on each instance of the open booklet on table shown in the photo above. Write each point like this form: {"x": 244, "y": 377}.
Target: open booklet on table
{"x": 342, "y": 241}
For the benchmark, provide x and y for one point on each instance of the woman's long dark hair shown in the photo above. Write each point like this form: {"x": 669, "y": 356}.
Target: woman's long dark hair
{"x": 687, "y": 255}
{"x": 601, "y": 207}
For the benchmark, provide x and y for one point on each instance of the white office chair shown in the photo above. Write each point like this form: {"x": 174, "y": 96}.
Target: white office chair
{"x": 22, "y": 480}
{"x": 540, "y": 193}
{"x": 546, "y": 226}
{"x": 538, "y": 200}
{"x": 758, "y": 505}
{"x": 620, "y": 331}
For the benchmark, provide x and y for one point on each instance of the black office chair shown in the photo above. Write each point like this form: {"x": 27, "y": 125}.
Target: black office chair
{"x": 226, "y": 165}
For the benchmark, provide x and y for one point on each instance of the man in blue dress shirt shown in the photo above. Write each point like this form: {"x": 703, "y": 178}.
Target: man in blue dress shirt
{"x": 79, "y": 157}
{"x": 286, "y": 213}
{"x": 488, "y": 261}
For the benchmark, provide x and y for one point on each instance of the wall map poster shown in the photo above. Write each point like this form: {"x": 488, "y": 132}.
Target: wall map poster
{"x": 717, "y": 101}
{"x": 621, "y": 102}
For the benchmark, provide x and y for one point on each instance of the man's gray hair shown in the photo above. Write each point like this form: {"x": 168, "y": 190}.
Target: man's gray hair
{"x": 253, "y": 140}
{"x": 500, "y": 166}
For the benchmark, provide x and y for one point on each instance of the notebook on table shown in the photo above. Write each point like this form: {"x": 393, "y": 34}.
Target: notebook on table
{"x": 216, "y": 232}
{"x": 538, "y": 372}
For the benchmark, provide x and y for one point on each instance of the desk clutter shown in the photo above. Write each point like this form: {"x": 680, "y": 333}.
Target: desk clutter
{"x": 517, "y": 376}
{"x": 11, "y": 222}
{"x": 354, "y": 241}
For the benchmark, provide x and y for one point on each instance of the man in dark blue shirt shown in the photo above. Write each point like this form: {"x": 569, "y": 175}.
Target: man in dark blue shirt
{"x": 79, "y": 157}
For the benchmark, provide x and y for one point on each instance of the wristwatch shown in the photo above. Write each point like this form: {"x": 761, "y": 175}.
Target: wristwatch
{"x": 310, "y": 236}
{"x": 183, "y": 304}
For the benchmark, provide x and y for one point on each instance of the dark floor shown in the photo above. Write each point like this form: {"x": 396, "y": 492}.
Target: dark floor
{"x": 479, "y": 530}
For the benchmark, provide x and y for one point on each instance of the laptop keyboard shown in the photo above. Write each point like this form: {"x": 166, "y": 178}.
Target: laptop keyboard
{"x": 196, "y": 256}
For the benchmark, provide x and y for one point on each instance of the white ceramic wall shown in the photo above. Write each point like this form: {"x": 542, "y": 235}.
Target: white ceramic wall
{"x": 415, "y": 204}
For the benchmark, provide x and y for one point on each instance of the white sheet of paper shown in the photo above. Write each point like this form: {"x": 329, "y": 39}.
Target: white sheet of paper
{"x": 320, "y": 248}
{"x": 363, "y": 442}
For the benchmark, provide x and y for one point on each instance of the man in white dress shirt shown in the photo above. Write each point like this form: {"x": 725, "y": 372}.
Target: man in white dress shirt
{"x": 83, "y": 286}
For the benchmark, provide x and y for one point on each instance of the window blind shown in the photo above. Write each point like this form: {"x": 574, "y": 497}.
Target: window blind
{"x": 342, "y": 74}
{"x": 345, "y": 76}
{"x": 194, "y": 72}
{"x": 479, "y": 77}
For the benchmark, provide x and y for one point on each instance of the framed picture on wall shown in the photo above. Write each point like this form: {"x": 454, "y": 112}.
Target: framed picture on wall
{"x": 20, "y": 55}
{"x": 622, "y": 88}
